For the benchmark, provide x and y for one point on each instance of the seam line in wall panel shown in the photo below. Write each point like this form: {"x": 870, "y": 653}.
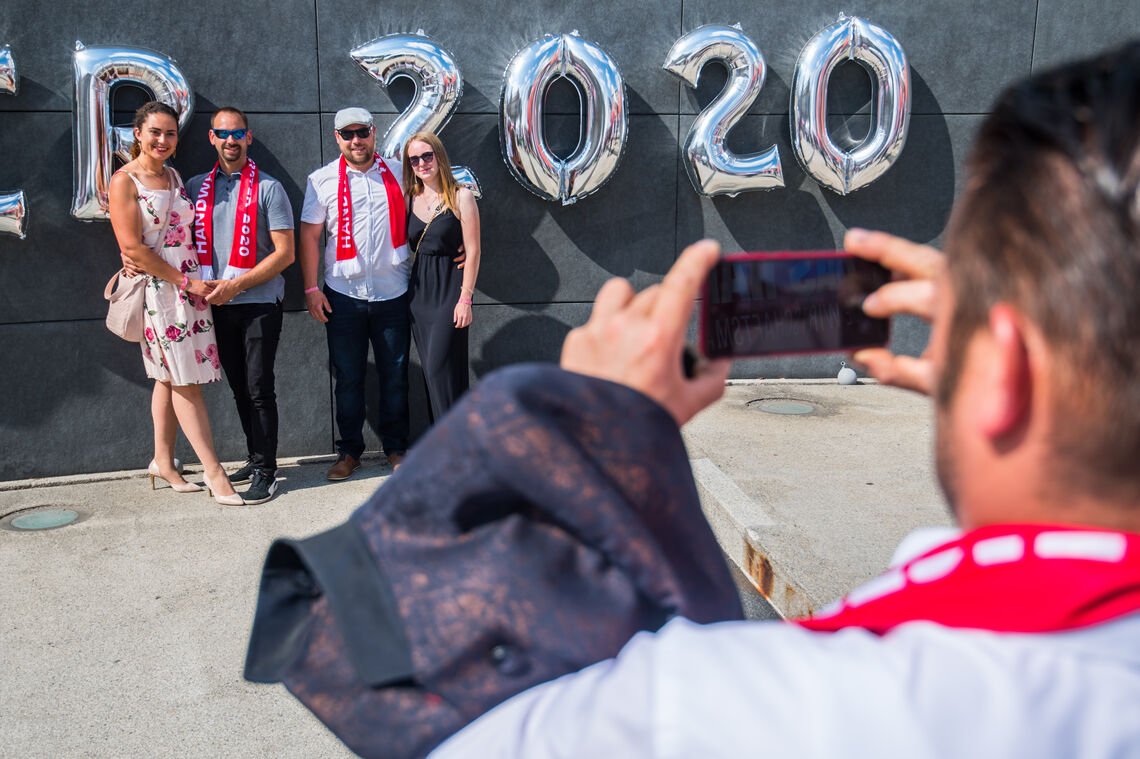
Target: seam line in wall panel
{"x": 1033, "y": 44}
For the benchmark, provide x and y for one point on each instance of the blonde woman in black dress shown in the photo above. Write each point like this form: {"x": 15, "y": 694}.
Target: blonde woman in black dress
{"x": 442, "y": 219}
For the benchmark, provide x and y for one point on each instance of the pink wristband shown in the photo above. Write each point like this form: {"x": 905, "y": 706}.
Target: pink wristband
{"x": 312, "y": 289}
{"x": 465, "y": 301}
{"x": 185, "y": 282}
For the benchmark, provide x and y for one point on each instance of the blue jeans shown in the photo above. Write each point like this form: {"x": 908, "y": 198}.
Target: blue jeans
{"x": 351, "y": 326}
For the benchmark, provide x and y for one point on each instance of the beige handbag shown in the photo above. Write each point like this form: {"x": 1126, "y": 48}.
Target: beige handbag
{"x": 127, "y": 302}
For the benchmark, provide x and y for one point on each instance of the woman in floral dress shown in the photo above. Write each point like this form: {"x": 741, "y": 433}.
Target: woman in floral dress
{"x": 178, "y": 347}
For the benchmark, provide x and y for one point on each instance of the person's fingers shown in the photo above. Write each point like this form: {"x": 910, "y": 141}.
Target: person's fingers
{"x": 682, "y": 285}
{"x": 911, "y": 296}
{"x": 897, "y": 254}
{"x": 612, "y": 297}
{"x": 900, "y": 371}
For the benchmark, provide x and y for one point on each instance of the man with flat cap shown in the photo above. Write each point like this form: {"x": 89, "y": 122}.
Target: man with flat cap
{"x": 359, "y": 201}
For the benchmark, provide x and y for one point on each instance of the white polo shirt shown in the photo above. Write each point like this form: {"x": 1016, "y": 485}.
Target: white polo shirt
{"x": 376, "y": 275}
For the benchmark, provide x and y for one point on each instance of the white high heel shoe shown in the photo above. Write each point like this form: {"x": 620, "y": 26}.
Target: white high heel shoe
{"x": 183, "y": 487}
{"x": 225, "y": 500}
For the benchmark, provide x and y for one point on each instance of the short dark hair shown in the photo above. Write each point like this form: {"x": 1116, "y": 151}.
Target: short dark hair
{"x": 143, "y": 113}
{"x": 1050, "y": 223}
{"x": 230, "y": 109}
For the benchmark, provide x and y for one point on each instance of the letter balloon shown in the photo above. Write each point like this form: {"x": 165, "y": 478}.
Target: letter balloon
{"x": 97, "y": 70}
{"x": 13, "y": 206}
{"x": 875, "y": 49}
{"x": 438, "y": 82}
{"x": 521, "y": 110}
{"x": 713, "y": 168}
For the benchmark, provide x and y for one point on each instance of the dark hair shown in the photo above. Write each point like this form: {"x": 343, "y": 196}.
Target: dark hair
{"x": 230, "y": 109}
{"x": 1050, "y": 223}
{"x": 141, "y": 115}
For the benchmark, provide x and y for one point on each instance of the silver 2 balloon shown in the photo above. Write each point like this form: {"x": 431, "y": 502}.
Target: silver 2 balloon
{"x": 521, "y": 113}
{"x": 13, "y": 205}
{"x": 438, "y": 83}
{"x": 97, "y": 69}
{"x": 712, "y": 167}
{"x": 882, "y": 56}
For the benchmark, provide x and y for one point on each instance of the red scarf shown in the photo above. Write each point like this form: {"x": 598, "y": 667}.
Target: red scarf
{"x": 1005, "y": 578}
{"x": 397, "y": 216}
{"x": 243, "y": 250}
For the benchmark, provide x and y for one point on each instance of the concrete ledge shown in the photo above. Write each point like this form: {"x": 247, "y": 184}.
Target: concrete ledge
{"x": 809, "y": 506}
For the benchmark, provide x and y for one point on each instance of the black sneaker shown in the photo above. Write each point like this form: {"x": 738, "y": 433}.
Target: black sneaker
{"x": 243, "y": 475}
{"x": 263, "y": 487}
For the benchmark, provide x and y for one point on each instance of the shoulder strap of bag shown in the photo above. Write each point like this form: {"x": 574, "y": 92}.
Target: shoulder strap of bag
{"x": 174, "y": 185}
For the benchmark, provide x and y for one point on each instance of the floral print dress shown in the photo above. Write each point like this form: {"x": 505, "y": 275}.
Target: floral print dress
{"x": 178, "y": 342}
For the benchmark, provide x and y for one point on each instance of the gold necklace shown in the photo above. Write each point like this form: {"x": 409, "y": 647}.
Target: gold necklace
{"x": 438, "y": 200}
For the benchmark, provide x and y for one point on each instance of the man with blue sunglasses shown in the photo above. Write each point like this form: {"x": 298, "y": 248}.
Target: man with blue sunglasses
{"x": 243, "y": 227}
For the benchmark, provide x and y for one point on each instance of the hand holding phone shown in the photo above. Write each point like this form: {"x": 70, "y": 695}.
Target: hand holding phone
{"x": 772, "y": 304}
{"x": 637, "y": 339}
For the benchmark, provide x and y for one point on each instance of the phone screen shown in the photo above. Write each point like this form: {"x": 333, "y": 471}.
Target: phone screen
{"x": 764, "y": 304}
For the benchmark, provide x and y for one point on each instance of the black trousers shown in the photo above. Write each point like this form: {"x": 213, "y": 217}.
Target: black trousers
{"x": 247, "y": 335}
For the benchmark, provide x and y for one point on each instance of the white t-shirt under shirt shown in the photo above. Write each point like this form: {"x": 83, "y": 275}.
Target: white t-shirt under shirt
{"x": 376, "y": 277}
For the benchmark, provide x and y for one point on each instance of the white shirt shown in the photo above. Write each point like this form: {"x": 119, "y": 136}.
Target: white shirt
{"x": 375, "y": 274}
{"x": 775, "y": 689}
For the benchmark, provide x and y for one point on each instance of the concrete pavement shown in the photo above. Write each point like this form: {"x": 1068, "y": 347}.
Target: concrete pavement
{"x": 123, "y": 635}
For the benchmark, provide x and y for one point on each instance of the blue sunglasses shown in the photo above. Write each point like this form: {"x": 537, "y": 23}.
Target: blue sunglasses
{"x": 222, "y": 134}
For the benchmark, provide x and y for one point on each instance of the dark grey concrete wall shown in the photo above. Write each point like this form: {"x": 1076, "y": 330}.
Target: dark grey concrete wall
{"x": 75, "y": 398}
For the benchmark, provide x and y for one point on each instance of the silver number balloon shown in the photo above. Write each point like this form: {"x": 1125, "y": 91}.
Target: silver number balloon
{"x": 13, "y": 206}
{"x": 521, "y": 111}
{"x": 9, "y": 79}
{"x": 713, "y": 168}
{"x": 97, "y": 69}
{"x": 439, "y": 85}
{"x": 883, "y": 58}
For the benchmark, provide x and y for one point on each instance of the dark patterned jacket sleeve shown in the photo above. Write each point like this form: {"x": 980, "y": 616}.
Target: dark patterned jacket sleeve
{"x": 545, "y": 520}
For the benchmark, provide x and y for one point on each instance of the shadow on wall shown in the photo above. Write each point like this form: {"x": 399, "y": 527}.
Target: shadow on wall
{"x": 627, "y": 227}
{"x": 914, "y": 198}
{"x": 525, "y": 338}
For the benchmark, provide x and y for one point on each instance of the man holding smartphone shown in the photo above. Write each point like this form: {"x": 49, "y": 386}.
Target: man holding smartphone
{"x": 1015, "y": 638}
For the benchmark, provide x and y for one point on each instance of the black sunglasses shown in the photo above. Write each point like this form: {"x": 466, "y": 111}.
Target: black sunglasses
{"x": 427, "y": 157}
{"x": 348, "y": 134}
{"x": 222, "y": 134}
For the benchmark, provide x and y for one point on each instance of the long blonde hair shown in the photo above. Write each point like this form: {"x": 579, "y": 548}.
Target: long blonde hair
{"x": 413, "y": 183}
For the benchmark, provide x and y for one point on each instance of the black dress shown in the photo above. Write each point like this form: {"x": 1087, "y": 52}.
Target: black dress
{"x": 435, "y": 287}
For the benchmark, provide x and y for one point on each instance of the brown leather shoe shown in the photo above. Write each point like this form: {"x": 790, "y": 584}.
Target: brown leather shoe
{"x": 396, "y": 458}
{"x": 343, "y": 468}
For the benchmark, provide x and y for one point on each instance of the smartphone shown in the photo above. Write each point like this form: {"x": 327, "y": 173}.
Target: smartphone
{"x": 773, "y": 304}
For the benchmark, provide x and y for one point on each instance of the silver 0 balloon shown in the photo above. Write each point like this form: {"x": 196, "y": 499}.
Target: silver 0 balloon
{"x": 522, "y": 113}
{"x": 881, "y": 55}
{"x": 97, "y": 70}
{"x": 438, "y": 83}
{"x": 712, "y": 167}
{"x": 13, "y": 206}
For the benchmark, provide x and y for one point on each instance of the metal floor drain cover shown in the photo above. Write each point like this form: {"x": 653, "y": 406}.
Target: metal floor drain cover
{"x": 42, "y": 518}
{"x": 787, "y": 406}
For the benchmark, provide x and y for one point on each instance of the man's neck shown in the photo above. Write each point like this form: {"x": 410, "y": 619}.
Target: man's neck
{"x": 232, "y": 168}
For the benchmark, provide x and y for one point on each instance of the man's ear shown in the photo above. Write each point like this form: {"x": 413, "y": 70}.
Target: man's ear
{"x": 1008, "y": 375}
